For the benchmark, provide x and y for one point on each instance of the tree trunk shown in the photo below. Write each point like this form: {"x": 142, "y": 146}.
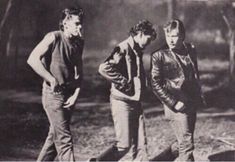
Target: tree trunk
{"x": 231, "y": 43}
{"x": 231, "y": 57}
{"x": 171, "y": 9}
{"x": 7, "y": 26}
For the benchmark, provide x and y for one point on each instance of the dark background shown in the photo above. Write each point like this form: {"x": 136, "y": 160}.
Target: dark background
{"x": 23, "y": 123}
{"x": 106, "y": 24}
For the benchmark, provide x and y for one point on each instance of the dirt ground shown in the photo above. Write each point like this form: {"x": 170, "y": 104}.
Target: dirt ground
{"x": 24, "y": 124}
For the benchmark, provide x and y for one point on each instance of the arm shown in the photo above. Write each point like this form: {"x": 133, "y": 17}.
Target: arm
{"x": 194, "y": 59}
{"x": 72, "y": 99}
{"x": 157, "y": 83}
{"x": 109, "y": 70}
{"x": 78, "y": 77}
{"x": 37, "y": 54}
{"x": 193, "y": 54}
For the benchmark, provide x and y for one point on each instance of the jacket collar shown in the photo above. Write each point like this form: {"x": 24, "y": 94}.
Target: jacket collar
{"x": 131, "y": 42}
{"x": 134, "y": 46}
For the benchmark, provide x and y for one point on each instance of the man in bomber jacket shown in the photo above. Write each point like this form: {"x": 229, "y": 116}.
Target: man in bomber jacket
{"x": 124, "y": 68}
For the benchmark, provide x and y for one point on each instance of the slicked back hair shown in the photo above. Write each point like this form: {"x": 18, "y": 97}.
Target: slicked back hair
{"x": 175, "y": 25}
{"x": 68, "y": 12}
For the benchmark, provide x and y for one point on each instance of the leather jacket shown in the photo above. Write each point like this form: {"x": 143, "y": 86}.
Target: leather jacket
{"x": 168, "y": 79}
{"x": 121, "y": 67}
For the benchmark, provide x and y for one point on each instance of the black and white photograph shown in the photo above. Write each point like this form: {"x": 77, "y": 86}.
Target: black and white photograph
{"x": 117, "y": 80}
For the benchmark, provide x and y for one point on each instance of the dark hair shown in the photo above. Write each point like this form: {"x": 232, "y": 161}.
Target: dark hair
{"x": 144, "y": 26}
{"x": 67, "y": 12}
{"x": 175, "y": 24}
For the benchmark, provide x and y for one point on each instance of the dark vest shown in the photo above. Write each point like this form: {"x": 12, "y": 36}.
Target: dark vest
{"x": 62, "y": 56}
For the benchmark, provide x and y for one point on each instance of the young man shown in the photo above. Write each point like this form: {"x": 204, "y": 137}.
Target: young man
{"x": 175, "y": 81}
{"x": 58, "y": 60}
{"x": 124, "y": 68}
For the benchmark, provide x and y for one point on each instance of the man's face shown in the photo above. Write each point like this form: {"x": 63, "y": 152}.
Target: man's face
{"x": 174, "y": 39}
{"x": 143, "y": 40}
{"x": 74, "y": 26}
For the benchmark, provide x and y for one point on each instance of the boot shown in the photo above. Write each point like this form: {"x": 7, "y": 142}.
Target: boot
{"x": 111, "y": 154}
{"x": 169, "y": 154}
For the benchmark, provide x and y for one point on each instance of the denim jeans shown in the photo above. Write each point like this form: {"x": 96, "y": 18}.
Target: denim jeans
{"x": 59, "y": 139}
{"x": 129, "y": 128}
{"x": 183, "y": 125}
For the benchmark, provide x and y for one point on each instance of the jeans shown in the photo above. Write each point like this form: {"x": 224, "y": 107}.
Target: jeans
{"x": 129, "y": 128}
{"x": 59, "y": 139}
{"x": 183, "y": 125}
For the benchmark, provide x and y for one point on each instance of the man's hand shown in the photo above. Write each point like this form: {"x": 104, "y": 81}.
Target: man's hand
{"x": 70, "y": 101}
{"x": 180, "y": 106}
{"x": 55, "y": 87}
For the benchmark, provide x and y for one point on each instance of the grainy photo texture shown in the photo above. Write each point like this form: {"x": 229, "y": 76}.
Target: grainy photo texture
{"x": 117, "y": 80}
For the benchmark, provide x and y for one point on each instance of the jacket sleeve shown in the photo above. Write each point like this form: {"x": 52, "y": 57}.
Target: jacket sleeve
{"x": 193, "y": 54}
{"x": 109, "y": 69}
{"x": 157, "y": 81}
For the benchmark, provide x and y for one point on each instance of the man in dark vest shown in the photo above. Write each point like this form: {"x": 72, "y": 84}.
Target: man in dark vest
{"x": 58, "y": 60}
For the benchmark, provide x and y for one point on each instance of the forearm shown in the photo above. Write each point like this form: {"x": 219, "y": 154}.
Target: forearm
{"x": 163, "y": 95}
{"x": 76, "y": 94}
{"x": 157, "y": 84}
{"x": 110, "y": 73}
{"x": 39, "y": 68}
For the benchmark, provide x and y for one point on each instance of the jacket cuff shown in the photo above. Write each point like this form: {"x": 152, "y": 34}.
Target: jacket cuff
{"x": 172, "y": 103}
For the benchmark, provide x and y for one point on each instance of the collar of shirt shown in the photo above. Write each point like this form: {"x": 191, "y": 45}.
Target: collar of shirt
{"x": 134, "y": 46}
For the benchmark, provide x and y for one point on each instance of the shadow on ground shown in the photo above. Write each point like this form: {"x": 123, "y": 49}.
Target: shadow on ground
{"x": 23, "y": 125}
{"x": 223, "y": 156}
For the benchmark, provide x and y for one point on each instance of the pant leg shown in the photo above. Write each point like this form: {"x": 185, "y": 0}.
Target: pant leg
{"x": 138, "y": 134}
{"x": 59, "y": 119}
{"x": 183, "y": 126}
{"x": 121, "y": 118}
{"x": 48, "y": 152}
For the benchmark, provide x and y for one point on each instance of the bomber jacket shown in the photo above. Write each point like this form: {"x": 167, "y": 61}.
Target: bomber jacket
{"x": 168, "y": 78}
{"x": 121, "y": 67}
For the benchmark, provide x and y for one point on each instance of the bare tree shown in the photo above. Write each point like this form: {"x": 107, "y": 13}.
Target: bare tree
{"x": 171, "y": 9}
{"x": 228, "y": 14}
{"x": 8, "y": 27}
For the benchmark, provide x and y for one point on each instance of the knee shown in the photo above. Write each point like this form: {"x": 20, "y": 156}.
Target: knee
{"x": 63, "y": 140}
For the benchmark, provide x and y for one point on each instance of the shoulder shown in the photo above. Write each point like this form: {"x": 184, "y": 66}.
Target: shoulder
{"x": 190, "y": 46}
{"x": 49, "y": 37}
{"x": 123, "y": 46}
{"x": 160, "y": 52}
{"x": 192, "y": 51}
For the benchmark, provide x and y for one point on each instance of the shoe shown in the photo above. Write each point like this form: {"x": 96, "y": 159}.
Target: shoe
{"x": 91, "y": 160}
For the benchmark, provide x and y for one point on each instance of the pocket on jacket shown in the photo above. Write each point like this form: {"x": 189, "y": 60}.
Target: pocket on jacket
{"x": 171, "y": 71}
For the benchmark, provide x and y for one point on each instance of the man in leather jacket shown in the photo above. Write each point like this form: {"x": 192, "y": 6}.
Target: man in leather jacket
{"x": 175, "y": 81}
{"x": 124, "y": 68}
